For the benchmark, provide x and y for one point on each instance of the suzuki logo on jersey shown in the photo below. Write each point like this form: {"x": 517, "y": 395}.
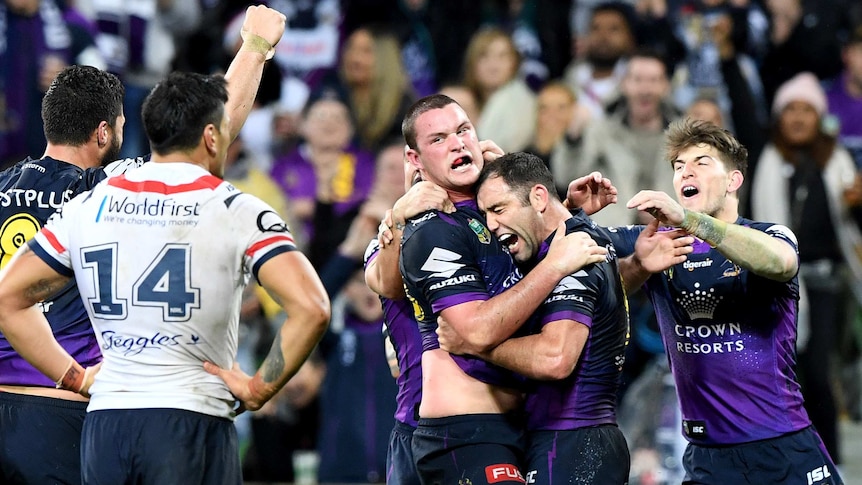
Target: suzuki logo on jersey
{"x": 442, "y": 263}
{"x": 571, "y": 283}
{"x": 817, "y": 474}
{"x": 503, "y": 473}
{"x": 466, "y": 278}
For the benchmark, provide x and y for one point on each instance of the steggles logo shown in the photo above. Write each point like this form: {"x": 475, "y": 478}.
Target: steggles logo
{"x": 700, "y": 303}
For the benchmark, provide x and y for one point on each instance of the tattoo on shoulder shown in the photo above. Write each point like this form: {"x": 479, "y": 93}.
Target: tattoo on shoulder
{"x": 274, "y": 366}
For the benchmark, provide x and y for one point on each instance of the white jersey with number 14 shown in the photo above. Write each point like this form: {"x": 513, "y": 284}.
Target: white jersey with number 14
{"x": 161, "y": 256}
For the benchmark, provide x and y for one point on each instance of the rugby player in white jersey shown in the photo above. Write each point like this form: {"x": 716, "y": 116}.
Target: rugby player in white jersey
{"x": 161, "y": 256}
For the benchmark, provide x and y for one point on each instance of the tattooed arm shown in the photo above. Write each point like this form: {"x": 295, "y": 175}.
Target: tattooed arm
{"x": 25, "y": 281}
{"x": 294, "y": 284}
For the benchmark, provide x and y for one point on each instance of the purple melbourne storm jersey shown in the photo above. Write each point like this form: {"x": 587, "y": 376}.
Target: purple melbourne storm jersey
{"x": 449, "y": 259}
{"x": 593, "y": 296}
{"x": 404, "y": 334}
{"x": 730, "y": 336}
{"x": 30, "y": 192}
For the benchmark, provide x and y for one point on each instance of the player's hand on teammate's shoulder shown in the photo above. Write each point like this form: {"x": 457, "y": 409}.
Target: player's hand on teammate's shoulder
{"x": 570, "y": 252}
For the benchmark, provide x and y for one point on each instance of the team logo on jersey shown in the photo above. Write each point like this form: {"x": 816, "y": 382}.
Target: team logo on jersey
{"x": 441, "y": 262}
{"x": 269, "y": 221}
{"x": 699, "y": 303}
{"x": 481, "y": 231}
{"x": 16, "y": 231}
{"x": 731, "y": 272}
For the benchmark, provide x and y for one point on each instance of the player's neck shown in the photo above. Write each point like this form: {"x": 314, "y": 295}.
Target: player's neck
{"x": 194, "y": 157}
{"x": 82, "y": 156}
{"x": 552, "y": 217}
{"x": 456, "y": 196}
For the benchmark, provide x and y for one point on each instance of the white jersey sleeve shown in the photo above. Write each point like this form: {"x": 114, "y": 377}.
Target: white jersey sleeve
{"x": 161, "y": 255}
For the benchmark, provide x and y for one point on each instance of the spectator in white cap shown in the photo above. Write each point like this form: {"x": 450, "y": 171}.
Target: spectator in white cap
{"x": 807, "y": 181}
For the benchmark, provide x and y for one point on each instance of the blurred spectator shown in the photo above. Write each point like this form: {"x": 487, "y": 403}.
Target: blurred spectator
{"x": 307, "y": 50}
{"x": 464, "y": 97}
{"x": 705, "y": 109}
{"x": 627, "y": 146}
{"x": 608, "y": 43}
{"x": 326, "y": 177}
{"x": 560, "y": 120}
{"x": 799, "y": 41}
{"x": 358, "y": 393}
{"x": 410, "y": 22}
{"x": 540, "y": 33}
{"x": 447, "y": 37}
{"x": 845, "y": 97}
{"x": 371, "y": 80}
{"x": 507, "y": 106}
{"x": 38, "y": 38}
{"x": 139, "y": 39}
{"x": 808, "y": 182}
{"x": 714, "y": 32}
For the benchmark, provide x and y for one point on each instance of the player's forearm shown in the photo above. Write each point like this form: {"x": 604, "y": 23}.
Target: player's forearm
{"x": 531, "y": 356}
{"x": 30, "y": 335}
{"x": 382, "y": 274}
{"x": 292, "y": 345}
{"x": 243, "y": 76}
{"x": 751, "y": 249}
{"x": 632, "y": 273}
{"x": 500, "y": 316}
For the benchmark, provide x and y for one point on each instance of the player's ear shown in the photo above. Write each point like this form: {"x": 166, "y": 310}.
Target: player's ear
{"x": 539, "y": 197}
{"x": 102, "y": 134}
{"x": 735, "y": 181}
{"x": 210, "y": 137}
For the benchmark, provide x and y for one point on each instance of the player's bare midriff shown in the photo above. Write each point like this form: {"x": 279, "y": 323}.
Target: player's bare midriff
{"x": 44, "y": 392}
{"x": 448, "y": 391}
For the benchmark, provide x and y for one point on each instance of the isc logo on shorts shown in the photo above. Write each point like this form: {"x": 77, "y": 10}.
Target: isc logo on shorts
{"x": 503, "y": 473}
{"x": 817, "y": 474}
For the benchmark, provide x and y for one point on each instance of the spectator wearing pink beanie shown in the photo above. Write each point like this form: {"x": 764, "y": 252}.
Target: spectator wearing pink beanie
{"x": 807, "y": 181}
{"x": 801, "y": 87}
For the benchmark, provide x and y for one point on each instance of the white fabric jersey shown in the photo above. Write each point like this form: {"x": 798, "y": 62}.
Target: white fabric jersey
{"x": 161, "y": 255}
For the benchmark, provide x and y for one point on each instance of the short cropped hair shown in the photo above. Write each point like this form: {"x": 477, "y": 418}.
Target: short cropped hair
{"x": 423, "y": 105}
{"x": 685, "y": 133}
{"x": 80, "y": 98}
{"x": 179, "y": 107}
{"x": 521, "y": 171}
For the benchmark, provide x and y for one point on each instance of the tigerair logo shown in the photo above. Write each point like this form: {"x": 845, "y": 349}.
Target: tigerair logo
{"x": 693, "y": 265}
{"x": 699, "y": 303}
{"x": 481, "y": 231}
